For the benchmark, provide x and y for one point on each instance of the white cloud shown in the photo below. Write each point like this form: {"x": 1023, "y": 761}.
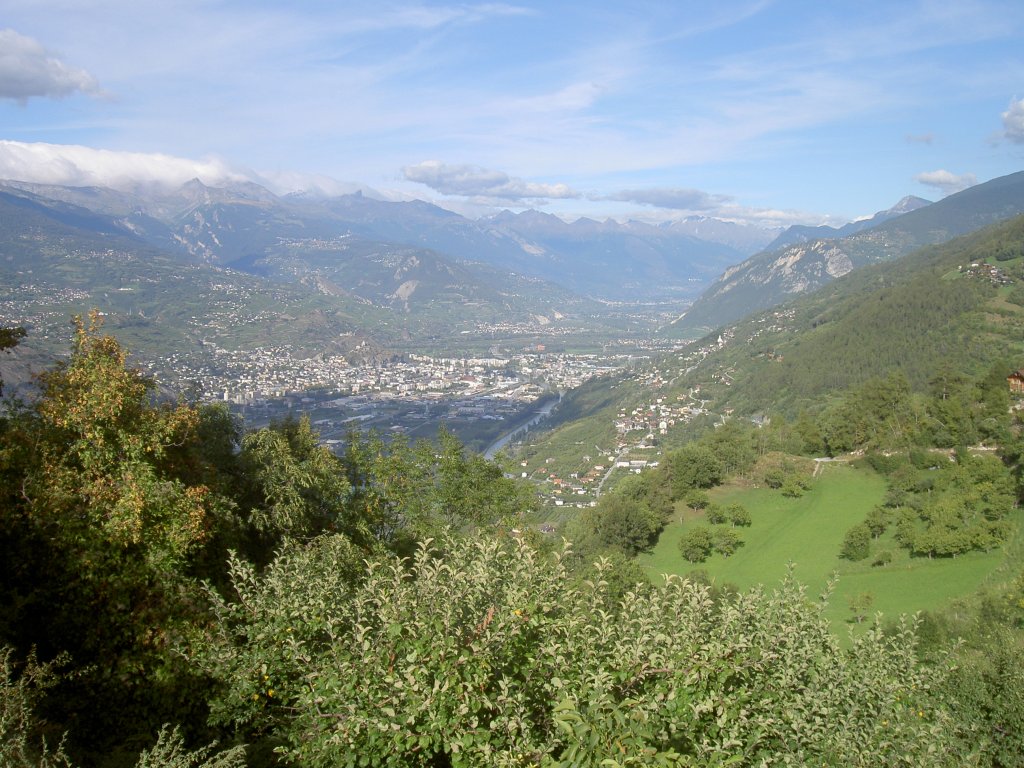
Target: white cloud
{"x": 77, "y": 166}
{"x": 946, "y": 182}
{"x": 1013, "y": 122}
{"x": 920, "y": 138}
{"x": 27, "y": 69}
{"x": 315, "y": 184}
{"x": 473, "y": 181}
{"x": 684, "y": 202}
{"x": 72, "y": 165}
{"x": 675, "y": 198}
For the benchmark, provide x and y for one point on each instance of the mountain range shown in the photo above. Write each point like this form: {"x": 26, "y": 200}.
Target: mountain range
{"x": 236, "y": 226}
{"x": 358, "y": 275}
{"x": 770, "y": 277}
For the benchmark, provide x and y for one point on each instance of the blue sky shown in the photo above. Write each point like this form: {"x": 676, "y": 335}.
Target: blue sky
{"x": 768, "y": 112}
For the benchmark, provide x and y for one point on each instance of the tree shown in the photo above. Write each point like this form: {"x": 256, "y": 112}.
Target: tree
{"x": 618, "y": 524}
{"x": 807, "y": 428}
{"x": 856, "y": 543}
{"x": 732, "y": 444}
{"x": 696, "y": 499}
{"x": 100, "y": 539}
{"x": 408, "y": 492}
{"x": 294, "y": 486}
{"x": 726, "y": 540}
{"x": 794, "y": 487}
{"x": 696, "y": 544}
{"x": 693, "y": 467}
{"x": 775, "y": 478}
{"x": 877, "y": 520}
{"x": 860, "y": 605}
{"x": 738, "y": 515}
{"x": 716, "y": 514}
{"x": 651, "y": 489}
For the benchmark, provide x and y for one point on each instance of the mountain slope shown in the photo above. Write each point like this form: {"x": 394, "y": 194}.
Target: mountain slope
{"x": 768, "y": 278}
{"x": 931, "y": 308}
{"x": 801, "y": 234}
{"x": 394, "y": 293}
{"x": 60, "y": 261}
{"x": 928, "y": 313}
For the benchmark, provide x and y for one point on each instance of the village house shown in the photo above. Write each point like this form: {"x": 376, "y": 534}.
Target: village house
{"x": 1016, "y": 381}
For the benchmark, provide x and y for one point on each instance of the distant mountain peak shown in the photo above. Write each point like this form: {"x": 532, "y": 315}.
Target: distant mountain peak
{"x": 908, "y": 204}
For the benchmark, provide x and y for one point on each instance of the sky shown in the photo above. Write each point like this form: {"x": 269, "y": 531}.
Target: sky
{"x": 762, "y": 112}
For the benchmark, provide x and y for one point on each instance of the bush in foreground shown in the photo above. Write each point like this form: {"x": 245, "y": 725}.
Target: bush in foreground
{"x": 482, "y": 652}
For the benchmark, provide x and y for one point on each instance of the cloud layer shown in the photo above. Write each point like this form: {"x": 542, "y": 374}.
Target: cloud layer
{"x": 1013, "y": 122}
{"x": 472, "y": 181}
{"x": 77, "y": 166}
{"x": 673, "y": 198}
{"x": 28, "y": 70}
{"x": 946, "y": 182}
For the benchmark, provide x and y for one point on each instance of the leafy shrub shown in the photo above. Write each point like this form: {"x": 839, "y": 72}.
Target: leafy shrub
{"x": 717, "y": 514}
{"x": 856, "y": 543}
{"x": 696, "y": 544}
{"x": 484, "y": 653}
{"x": 739, "y": 515}
{"x": 882, "y": 558}
{"x": 726, "y": 540}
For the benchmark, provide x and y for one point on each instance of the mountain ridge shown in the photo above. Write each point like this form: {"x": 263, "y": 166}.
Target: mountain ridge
{"x": 237, "y": 223}
{"x": 768, "y": 278}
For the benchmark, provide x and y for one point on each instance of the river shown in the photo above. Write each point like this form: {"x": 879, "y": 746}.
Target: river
{"x": 502, "y": 441}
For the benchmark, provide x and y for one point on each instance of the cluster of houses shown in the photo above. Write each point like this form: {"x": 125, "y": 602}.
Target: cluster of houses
{"x": 986, "y": 271}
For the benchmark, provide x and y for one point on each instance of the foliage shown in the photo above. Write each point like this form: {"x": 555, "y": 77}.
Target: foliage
{"x": 795, "y": 487}
{"x": 726, "y": 540}
{"x": 693, "y": 466}
{"x": 880, "y": 413}
{"x": 98, "y": 540}
{"x": 477, "y": 652}
{"x": 738, "y": 515}
{"x": 716, "y": 514}
{"x": 986, "y": 680}
{"x": 617, "y": 523}
{"x": 696, "y": 543}
{"x": 647, "y": 489}
{"x": 951, "y": 507}
{"x": 24, "y": 744}
{"x": 23, "y": 741}
{"x": 775, "y": 477}
{"x": 405, "y": 492}
{"x": 882, "y": 558}
{"x": 860, "y": 604}
{"x": 9, "y": 338}
{"x": 696, "y": 499}
{"x": 856, "y": 543}
{"x": 170, "y": 752}
{"x": 114, "y": 504}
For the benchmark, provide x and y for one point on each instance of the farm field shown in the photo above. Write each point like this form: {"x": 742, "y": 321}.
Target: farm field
{"x": 807, "y": 533}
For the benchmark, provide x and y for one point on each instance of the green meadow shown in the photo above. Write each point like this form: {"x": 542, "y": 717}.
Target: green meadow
{"x": 806, "y": 533}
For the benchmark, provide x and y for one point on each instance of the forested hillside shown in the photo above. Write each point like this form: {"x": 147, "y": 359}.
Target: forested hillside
{"x": 930, "y": 311}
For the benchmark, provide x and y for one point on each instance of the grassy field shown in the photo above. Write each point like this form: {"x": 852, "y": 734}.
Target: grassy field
{"x": 807, "y": 532}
